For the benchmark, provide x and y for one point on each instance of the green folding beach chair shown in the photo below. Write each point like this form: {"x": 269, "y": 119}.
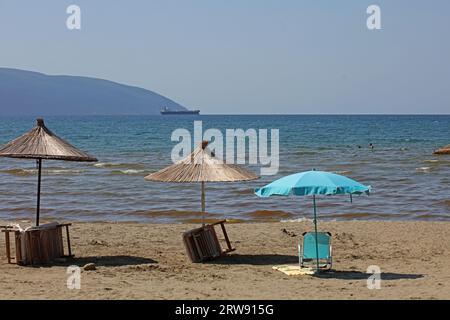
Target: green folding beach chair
{"x": 307, "y": 253}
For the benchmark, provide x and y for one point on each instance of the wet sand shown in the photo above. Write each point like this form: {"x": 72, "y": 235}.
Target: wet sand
{"x": 148, "y": 261}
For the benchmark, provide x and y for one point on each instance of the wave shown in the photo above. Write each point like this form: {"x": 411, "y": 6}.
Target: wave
{"x": 305, "y": 152}
{"x": 268, "y": 215}
{"x": 22, "y": 210}
{"x": 164, "y": 213}
{"x": 244, "y": 191}
{"x": 135, "y": 166}
{"x": 131, "y": 172}
{"x": 437, "y": 161}
{"x": 423, "y": 169}
{"x": 195, "y": 216}
{"x": 355, "y": 215}
{"x": 431, "y": 216}
{"x": 33, "y": 172}
{"x": 302, "y": 219}
{"x": 445, "y": 202}
{"x": 343, "y": 166}
{"x": 212, "y": 220}
{"x": 431, "y": 161}
{"x": 343, "y": 172}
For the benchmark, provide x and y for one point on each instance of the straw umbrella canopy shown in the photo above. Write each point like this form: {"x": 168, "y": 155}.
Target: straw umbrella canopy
{"x": 39, "y": 144}
{"x": 201, "y": 166}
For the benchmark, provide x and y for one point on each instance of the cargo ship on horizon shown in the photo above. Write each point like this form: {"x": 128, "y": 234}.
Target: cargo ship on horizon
{"x": 167, "y": 111}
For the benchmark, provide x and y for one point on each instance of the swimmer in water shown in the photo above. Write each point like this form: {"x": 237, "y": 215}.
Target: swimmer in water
{"x": 371, "y": 146}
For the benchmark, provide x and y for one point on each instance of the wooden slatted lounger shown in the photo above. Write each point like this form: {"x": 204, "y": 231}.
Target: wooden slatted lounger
{"x": 40, "y": 246}
{"x": 202, "y": 243}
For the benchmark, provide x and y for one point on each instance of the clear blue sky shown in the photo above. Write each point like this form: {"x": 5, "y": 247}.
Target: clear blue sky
{"x": 245, "y": 56}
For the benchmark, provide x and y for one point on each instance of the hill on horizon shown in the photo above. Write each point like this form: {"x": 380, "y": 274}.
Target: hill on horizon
{"x": 32, "y": 93}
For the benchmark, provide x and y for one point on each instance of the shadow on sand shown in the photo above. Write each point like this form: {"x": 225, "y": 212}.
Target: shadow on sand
{"x": 108, "y": 261}
{"x": 358, "y": 275}
{"x": 257, "y": 259}
{"x": 276, "y": 259}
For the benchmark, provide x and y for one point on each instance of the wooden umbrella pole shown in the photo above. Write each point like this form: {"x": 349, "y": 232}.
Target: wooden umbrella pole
{"x": 203, "y": 204}
{"x": 38, "y": 207}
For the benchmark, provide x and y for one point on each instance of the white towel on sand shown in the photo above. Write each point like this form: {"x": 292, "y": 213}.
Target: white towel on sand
{"x": 293, "y": 270}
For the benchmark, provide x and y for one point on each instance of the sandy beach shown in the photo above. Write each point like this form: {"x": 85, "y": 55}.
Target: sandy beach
{"x": 148, "y": 261}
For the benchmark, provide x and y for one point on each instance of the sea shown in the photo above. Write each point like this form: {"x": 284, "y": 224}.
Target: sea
{"x": 408, "y": 182}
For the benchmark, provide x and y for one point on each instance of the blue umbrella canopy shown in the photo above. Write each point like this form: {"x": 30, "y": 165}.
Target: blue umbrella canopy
{"x": 312, "y": 183}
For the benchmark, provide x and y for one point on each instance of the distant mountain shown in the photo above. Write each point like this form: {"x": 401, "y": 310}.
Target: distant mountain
{"x": 32, "y": 93}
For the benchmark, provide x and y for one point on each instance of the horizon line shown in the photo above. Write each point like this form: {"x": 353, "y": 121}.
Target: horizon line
{"x": 225, "y": 114}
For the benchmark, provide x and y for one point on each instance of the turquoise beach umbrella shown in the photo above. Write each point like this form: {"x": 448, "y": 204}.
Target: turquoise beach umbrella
{"x": 312, "y": 183}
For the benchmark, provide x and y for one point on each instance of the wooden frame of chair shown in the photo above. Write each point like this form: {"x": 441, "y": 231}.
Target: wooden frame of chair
{"x": 37, "y": 252}
{"x": 202, "y": 243}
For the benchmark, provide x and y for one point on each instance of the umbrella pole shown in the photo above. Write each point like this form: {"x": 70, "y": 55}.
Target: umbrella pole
{"x": 38, "y": 206}
{"x": 203, "y": 204}
{"x": 315, "y": 229}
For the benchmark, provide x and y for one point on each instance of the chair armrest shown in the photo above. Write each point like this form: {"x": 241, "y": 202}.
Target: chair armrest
{"x": 6, "y": 227}
{"x": 218, "y": 222}
{"x": 64, "y": 225}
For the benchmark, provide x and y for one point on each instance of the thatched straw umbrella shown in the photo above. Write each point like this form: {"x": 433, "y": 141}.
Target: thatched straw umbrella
{"x": 40, "y": 143}
{"x": 443, "y": 150}
{"x": 201, "y": 166}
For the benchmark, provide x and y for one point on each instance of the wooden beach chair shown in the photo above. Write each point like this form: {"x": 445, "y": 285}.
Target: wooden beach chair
{"x": 308, "y": 255}
{"x": 202, "y": 243}
{"x": 37, "y": 245}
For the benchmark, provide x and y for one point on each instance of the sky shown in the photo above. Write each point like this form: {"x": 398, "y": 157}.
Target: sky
{"x": 245, "y": 56}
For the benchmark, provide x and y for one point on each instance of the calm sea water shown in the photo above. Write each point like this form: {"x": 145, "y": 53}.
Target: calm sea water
{"x": 408, "y": 181}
